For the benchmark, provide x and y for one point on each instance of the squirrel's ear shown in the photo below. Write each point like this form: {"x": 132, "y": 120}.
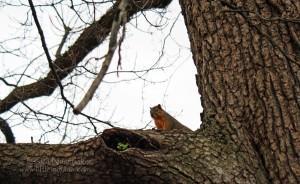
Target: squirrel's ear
{"x": 159, "y": 106}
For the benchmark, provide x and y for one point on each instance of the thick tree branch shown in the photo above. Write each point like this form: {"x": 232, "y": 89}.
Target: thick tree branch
{"x": 90, "y": 38}
{"x": 123, "y": 156}
{"x": 6, "y": 130}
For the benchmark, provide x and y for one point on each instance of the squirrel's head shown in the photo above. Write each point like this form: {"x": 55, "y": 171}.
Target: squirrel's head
{"x": 156, "y": 111}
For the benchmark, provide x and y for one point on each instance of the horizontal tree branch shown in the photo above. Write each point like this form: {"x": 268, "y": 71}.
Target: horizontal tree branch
{"x": 125, "y": 156}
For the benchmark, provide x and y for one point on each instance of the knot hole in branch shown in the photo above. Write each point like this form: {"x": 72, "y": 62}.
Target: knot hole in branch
{"x": 122, "y": 139}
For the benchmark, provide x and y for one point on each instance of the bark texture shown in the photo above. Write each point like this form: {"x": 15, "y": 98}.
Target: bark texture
{"x": 151, "y": 157}
{"x": 247, "y": 58}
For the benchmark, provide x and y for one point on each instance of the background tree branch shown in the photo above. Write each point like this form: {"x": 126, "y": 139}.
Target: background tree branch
{"x": 121, "y": 19}
{"x": 89, "y": 39}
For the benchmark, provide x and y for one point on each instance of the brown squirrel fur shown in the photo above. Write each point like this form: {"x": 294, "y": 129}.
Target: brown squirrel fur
{"x": 164, "y": 121}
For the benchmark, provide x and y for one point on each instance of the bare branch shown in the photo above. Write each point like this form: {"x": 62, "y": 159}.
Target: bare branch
{"x": 44, "y": 45}
{"x": 119, "y": 50}
{"x": 90, "y": 38}
{"x": 121, "y": 19}
{"x": 6, "y": 130}
{"x": 63, "y": 41}
{"x": 67, "y": 30}
{"x": 7, "y": 83}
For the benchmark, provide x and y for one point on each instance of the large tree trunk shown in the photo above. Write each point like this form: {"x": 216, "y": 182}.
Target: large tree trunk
{"x": 247, "y": 57}
{"x": 247, "y": 66}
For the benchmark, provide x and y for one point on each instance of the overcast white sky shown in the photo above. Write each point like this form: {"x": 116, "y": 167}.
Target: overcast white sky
{"x": 118, "y": 99}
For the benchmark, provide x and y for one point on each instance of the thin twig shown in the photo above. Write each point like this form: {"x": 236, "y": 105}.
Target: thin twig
{"x": 44, "y": 45}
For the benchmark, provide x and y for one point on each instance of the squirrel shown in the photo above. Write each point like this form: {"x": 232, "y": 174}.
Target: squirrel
{"x": 164, "y": 121}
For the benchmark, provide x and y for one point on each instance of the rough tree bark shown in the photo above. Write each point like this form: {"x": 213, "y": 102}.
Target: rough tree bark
{"x": 152, "y": 157}
{"x": 247, "y": 58}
